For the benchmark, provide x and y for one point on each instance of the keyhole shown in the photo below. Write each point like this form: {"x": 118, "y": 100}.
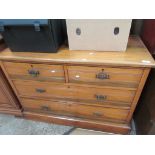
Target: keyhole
{"x": 116, "y": 30}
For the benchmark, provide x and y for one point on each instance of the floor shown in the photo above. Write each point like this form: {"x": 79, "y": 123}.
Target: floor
{"x": 9, "y": 125}
{"x": 79, "y": 131}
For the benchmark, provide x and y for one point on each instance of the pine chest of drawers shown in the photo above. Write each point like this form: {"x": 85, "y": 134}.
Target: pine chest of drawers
{"x": 88, "y": 89}
{"x": 8, "y": 101}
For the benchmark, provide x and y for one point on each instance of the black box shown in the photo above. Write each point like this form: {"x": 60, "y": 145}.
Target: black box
{"x": 33, "y": 35}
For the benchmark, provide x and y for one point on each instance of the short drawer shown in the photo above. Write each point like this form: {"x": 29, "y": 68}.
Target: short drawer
{"x": 74, "y": 109}
{"x": 117, "y": 77}
{"x": 28, "y": 71}
{"x": 42, "y": 89}
{"x": 71, "y": 92}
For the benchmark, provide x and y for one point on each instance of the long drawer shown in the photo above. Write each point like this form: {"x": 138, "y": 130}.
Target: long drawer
{"x": 117, "y": 77}
{"x": 71, "y": 92}
{"x": 74, "y": 109}
{"x": 40, "y": 72}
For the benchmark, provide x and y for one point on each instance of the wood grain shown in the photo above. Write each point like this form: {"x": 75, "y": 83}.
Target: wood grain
{"x": 75, "y": 109}
{"x": 138, "y": 93}
{"x": 78, "y": 122}
{"x": 136, "y": 55}
{"x": 115, "y": 76}
{"x": 76, "y": 93}
{"x": 46, "y": 72}
{"x": 8, "y": 101}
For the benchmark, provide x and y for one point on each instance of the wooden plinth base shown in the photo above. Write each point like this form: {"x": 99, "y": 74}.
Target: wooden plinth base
{"x": 78, "y": 122}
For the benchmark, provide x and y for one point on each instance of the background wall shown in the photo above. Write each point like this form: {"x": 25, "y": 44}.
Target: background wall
{"x": 137, "y": 25}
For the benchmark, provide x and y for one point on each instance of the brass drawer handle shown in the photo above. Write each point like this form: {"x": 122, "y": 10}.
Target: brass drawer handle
{"x": 98, "y": 114}
{"x": 39, "y": 90}
{"x": 102, "y": 76}
{"x": 45, "y": 108}
{"x": 33, "y": 72}
{"x": 101, "y": 97}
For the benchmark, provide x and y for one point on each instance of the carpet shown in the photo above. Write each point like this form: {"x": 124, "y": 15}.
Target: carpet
{"x": 10, "y": 125}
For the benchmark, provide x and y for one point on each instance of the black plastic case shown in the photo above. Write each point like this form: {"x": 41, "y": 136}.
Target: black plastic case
{"x": 33, "y": 35}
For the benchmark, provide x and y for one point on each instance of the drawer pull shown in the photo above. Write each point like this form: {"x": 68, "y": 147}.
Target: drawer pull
{"x": 46, "y": 108}
{"x": 98, "y": 114}
{"x": 101, "y": 97}
{"x": 40, "y": 90}
{"x": 102, "y": 76}
{"x": 33, "y": 72}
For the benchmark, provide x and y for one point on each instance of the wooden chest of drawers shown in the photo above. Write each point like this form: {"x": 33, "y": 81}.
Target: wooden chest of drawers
{"x": 97, "y": 90}
{"x": 8, "y": 101}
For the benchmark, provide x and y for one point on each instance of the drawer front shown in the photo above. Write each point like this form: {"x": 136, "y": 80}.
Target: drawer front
{"x": 103, "y": 95}
{"x": 35, "y": 71}
{"x": 116, "y": 77}
{"x": 78, "y": 93}
{"x": 74, "y": 109}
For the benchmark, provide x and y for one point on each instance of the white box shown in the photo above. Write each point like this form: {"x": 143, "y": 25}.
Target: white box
{"x": 98, "y": 34}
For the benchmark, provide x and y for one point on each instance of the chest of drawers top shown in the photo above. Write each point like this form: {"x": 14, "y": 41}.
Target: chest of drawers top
{"x": 136, "y": 55}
